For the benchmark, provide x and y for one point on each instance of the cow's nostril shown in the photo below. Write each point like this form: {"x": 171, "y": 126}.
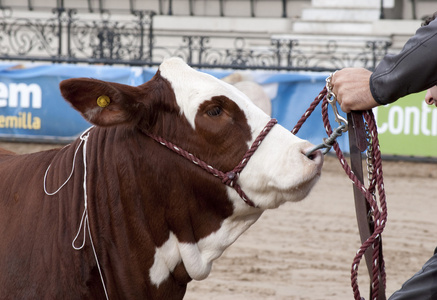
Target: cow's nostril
{"x": 310, "y": 152}
{"x": 313, "y": 154}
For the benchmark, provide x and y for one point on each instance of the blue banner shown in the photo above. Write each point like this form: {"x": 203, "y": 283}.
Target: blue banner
{"x": 32, "y": 108}
{"x": 31, "y": 105}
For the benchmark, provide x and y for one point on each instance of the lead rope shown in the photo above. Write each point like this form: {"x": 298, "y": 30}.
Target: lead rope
{"x": 84, "y": 221}
{"x": 379, "y": 212}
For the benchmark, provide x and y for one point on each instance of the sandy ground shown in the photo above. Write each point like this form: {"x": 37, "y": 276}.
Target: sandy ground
{"x": 305, "y": 250}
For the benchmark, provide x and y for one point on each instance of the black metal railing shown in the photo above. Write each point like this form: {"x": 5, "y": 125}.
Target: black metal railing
{"x": 66, "y": 37}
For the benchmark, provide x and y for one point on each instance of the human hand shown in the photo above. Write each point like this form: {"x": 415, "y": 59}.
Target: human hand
{"x": 352, "y": 88}
{"x": 431, "y": 96}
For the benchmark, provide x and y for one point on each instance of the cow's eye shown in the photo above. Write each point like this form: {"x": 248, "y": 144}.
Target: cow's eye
{"x": 215, "y": 111}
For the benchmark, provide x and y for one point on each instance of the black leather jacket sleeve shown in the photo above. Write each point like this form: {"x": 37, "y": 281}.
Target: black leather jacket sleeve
{"x": 413, "y": 70}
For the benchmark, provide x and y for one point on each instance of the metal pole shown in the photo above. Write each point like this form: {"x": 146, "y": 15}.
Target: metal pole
{"x": 151, "y": 36}
{"x": 381, "y": 14}
{"x": 131, "y": 6}
{"x": 191, "y": 8}
{"x": 252, "y": 8}
{"x": 413, "y": 9}
{"x": 170, "y": 7}
{"x": 90, "y": 7}
{"x": 284, "y": 8}
{"x": 160, "y": 7}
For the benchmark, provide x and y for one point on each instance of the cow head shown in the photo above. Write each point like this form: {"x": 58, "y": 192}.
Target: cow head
{"x": 221, "y": 121}
{"x": 216, "y": 123}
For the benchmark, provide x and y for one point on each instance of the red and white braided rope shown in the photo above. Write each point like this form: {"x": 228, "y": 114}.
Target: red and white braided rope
{"x": 376, "y": 183}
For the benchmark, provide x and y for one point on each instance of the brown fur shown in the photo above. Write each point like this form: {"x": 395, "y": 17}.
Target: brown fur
{"x": 138, "y": 191}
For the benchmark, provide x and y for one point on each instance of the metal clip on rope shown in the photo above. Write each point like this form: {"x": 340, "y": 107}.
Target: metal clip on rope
{"x": 329, "y": 142}
{"x": 332, "y": 99}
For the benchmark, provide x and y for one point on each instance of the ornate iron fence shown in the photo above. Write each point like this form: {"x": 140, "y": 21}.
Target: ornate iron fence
{"x": 70, "y": 38}
{"x": 67, "y": 38}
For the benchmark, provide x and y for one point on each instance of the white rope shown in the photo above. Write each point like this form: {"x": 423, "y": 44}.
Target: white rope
{"x": 84, "y": 221}
{"x": 72, "y": 167}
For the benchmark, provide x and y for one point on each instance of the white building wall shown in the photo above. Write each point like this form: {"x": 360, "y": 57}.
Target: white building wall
{"x": 397, "y": 9}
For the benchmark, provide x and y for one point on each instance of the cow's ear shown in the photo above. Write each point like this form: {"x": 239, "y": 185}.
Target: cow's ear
{"x": 101, "y": 103}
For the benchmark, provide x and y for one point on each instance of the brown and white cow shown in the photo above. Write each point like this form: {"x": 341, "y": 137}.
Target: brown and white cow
{"x": 117, "y": 215}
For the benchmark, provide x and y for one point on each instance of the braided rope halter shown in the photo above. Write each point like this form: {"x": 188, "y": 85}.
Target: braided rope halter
{"x": 228, "y": 178}
{"x": 378, "y": 210}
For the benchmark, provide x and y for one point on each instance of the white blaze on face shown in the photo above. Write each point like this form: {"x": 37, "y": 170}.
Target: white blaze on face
{"x": 278, "y": 171}
{"x": 192, "y": 88}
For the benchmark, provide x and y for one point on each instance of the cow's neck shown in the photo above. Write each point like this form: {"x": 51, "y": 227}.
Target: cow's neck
{"x": 52, "y": 217}
{"x": 165, "y": 220}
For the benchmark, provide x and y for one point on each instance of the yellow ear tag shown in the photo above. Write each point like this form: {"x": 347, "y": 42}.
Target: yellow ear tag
{"x": 103, "y": 101}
